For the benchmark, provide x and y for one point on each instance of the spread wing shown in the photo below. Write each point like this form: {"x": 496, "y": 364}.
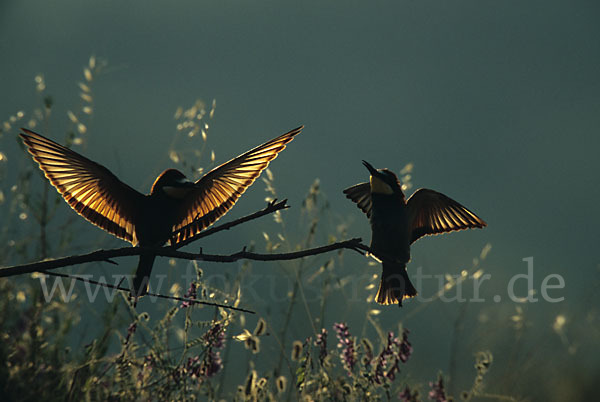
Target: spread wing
{"x": 89, "y": 188}
{"x": 219, "y": 189}
{"x": 361, "y": 195}
{"x": 430, "y": 212}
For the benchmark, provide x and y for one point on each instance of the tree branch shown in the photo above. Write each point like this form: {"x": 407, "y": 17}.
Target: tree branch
{"x": 271, "y": 207}
{"x": 105, "y": 255}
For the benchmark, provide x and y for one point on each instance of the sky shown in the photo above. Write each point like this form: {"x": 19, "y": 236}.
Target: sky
{"x": 495, "y": 103}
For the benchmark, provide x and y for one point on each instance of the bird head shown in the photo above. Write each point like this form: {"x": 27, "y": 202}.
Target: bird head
{"x": 172, "y": 183}
{"x": 383, "y": 181}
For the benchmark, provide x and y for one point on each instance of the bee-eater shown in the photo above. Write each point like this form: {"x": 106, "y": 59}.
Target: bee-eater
{"x": 397, "y": 223}
{"x": 175, "y": 210}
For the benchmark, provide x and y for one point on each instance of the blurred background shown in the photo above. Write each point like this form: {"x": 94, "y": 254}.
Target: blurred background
{"x": 495, "y": 104}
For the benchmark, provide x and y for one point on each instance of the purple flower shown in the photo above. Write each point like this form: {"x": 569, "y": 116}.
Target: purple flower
{"x": 191, "y": 293}
{"x": 405, "y": 346}
{"x": 391, "y": 374}
{"x": 215, "y": 338}
{"x": 321, "y": 341}
{"x": 211, "y": 364}
{"x": 438, "y": 392}
{"x": 192, "y": 367}
{"x": 347, "y": 344}
{"x": 395, "y": 351}
{"x": 386, "y": 354}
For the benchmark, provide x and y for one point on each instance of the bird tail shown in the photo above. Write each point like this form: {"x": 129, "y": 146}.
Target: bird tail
{"x": 142, "y": 275}
{"x": 395, "y": 285}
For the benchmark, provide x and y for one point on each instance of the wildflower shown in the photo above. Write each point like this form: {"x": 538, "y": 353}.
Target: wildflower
{"x": 396, "y": 351}
{"x": 387, "y": 354}
{"x": 391, "y": 374}
{"x": 215, "y": 338}
{"x": 348, "y": 354}
{"x": 438, "y": 392}
{"x": 191, "y": 293}
{"x": 192, "y": 367}
{"x": 321, "y": 342}
{"x": 211, "y": 364}
{"x": 405, "y": 346}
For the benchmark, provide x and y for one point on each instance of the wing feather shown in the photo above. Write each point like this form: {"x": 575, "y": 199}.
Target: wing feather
{"x": 218, "y": 190}
{"x": 88, "y": 187}
{"x": 430, "y": 213}
{"x": 361, "y": 195}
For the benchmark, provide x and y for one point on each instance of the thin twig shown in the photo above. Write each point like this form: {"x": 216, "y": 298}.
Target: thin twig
{"x": 271, "y": 207}
{"x": 182, "y": 299}
{"x": 105, "y": 255}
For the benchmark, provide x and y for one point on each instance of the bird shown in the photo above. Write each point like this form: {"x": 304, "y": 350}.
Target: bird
{"x": 175, "y": 210}
{"x": 396, "y": 223}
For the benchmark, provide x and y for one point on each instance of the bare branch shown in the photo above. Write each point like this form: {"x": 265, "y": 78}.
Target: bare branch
{"x": 105, "y": 255}
{"x": 271, "y": 207}
{"x": 49, "y": 264}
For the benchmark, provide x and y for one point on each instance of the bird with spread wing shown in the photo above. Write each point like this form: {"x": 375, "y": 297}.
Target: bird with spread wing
{"x": 396, "y": 223}
{"x": 175, "y": 210}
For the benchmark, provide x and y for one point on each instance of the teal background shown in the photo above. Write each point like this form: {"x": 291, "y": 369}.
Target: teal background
{"x": 495, "y": 102}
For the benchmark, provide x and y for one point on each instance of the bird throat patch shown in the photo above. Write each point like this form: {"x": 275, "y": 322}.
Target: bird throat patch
{"x": 176, "y": 192}
{"x": 378, "y": 186}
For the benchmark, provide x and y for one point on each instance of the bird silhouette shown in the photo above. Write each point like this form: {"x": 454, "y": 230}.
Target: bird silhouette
{"x": 396, "y": 223}
{"x": 175, "y": 210}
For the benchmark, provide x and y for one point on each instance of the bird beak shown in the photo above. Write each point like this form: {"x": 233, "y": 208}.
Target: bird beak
{"x": 372, "y": 170}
